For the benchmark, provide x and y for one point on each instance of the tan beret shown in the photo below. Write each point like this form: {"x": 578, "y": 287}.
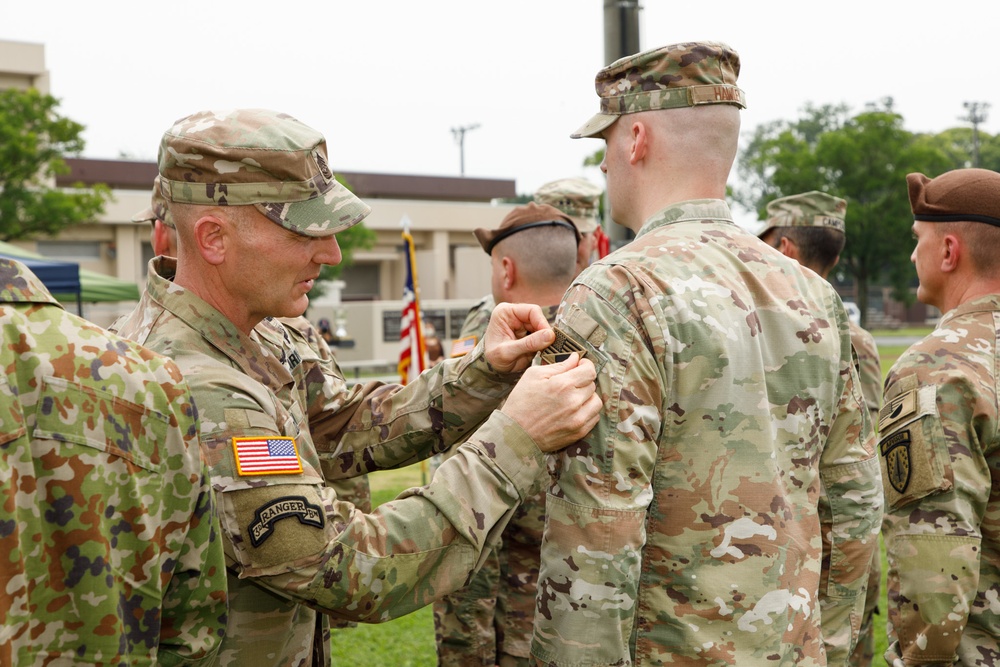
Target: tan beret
{"x": 960, "y": 195}
{"x": 521, "y": 218}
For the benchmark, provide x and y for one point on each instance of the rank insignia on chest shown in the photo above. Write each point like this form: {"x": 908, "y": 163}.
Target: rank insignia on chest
{"x": 896, "y": 450}
{"x": 267, "y": 455}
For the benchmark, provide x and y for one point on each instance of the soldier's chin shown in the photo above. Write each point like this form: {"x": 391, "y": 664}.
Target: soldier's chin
{"x": 295, "y": 308}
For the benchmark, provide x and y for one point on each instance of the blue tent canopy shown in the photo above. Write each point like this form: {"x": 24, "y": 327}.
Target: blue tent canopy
{"x": 58, "y": 277}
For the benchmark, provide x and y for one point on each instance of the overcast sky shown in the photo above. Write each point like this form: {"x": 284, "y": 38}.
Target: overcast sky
{"x": 387, "y": 80}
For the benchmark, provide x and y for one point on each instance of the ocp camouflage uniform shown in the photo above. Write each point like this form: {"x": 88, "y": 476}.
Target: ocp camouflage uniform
{"x": 687, "y": 527}
{"x": 109, "y": 544}
{"x": 292, "y": 547}
{"x": 319, "y": 382}
{"x": 940, "y": 453}
{"x": 489, "y": 621}
{"x": 870, "y": 374}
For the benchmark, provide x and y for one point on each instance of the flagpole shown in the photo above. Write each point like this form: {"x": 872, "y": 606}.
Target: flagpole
{"x": 413, "y": 355}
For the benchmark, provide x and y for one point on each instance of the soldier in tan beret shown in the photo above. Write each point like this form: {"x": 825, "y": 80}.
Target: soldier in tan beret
{"x": 810, "y": 228}
{"x": 257, "y": 209}
{"x": 940, "y": 434}
{"x": 686, "y": 527}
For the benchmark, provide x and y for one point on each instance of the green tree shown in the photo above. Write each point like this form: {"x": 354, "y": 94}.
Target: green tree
{"x": 34, "y": 139}
{"x": 864, "y": 159}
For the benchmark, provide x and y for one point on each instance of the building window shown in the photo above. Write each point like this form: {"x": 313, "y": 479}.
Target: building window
{"x": 71, "y": 250}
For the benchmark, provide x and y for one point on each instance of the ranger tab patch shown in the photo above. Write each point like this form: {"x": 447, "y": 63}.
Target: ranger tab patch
{"x": 262, "y": 526}
{"x": 267, "y": 455}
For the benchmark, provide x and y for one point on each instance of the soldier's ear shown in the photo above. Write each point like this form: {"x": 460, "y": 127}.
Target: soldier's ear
{"x": 210, "y": 239}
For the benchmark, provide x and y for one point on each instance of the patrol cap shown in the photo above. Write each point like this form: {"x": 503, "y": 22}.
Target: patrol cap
{"x": 576, "y": 197}
{"x": 257, "y": 157}
{"x": 157, "y": 210}
{"x": 960, "y": 195}
{"x": 669, "y": 77}
{"x": 521, "y": 218}
{"x": 809, "y": 209}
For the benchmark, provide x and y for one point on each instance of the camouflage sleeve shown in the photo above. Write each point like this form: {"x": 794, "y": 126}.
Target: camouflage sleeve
{"x": 194, "y": 603}
{"x": 851, "y": 517}
{"x": 869, "y": 370}
{"x": 937, "y": 484}
{"x": 405, "y": 554}
{"x": 596, "y": 508}
{"x": 477, "y": 320}
{"x": 378, "y": 426}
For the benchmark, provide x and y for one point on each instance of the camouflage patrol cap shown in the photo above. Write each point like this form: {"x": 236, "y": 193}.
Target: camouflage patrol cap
{"x": 809, "y": 209}
{"x": 157, "y": 210}
{"x": 576, "y": 197}
{"x": 960, "y": 195}
{"x": 257, "y": 157}
{"x": 679, "y": 75}
{"x": 521, "y": 218}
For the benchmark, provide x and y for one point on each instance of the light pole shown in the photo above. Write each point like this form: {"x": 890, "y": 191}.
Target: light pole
{"x": 459, "y": 134}
{"x": 977, "y": 114}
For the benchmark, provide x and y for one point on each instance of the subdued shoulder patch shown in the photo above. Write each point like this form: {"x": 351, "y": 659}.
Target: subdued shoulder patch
{"x": 561, "y": 348}
{"x": 896, "y": 410}
{"x": 896, "y": 450}
{"x": 262, "y": 526}
{"x": 577, "y": 319}
{"x": 463, "y": 346}
{"x": 266, "y": 455}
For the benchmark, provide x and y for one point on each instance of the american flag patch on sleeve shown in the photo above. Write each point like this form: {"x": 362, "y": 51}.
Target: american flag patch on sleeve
{"x": 266, "y": 456}
{"x": 463, "y": 346}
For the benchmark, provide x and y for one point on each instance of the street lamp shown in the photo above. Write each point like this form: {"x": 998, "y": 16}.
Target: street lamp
{"x": 977, "y": 114}
{"x": 459, "y": 134}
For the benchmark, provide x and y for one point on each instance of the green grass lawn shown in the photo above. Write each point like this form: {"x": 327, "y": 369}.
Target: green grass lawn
{"x": 409, "y": 641}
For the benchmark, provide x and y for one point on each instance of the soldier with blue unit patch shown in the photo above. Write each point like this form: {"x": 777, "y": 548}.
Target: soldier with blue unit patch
{"x": 939, "y": 440}
{"x": 256, "y": 209}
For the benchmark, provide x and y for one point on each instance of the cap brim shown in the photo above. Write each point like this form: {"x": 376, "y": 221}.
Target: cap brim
{"x": 584, "y": 225}
{"x": 145, "y": 215}
{"x": 336, "y": 210}
{"x": 594, "y": 126}
{"x": 484, "y": 236}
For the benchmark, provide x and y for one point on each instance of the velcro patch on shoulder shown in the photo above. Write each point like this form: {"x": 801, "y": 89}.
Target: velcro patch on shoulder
{"x": 561, "y": 348}
{"x": 463, "y": 346}
{"x": 267, "y": 455}
{"x": 896, "y": 410}
{"x": 577, "y": 319}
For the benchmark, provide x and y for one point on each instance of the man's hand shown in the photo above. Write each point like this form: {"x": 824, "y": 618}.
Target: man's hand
{"x": 556, "y": 404}
{"x": 515, "y": 333}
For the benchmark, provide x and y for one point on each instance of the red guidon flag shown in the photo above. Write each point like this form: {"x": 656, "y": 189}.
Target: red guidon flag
{"x": 267, "y": 455}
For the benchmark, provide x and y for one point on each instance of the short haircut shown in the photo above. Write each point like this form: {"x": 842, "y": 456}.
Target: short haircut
{"x": 819, "y": 247}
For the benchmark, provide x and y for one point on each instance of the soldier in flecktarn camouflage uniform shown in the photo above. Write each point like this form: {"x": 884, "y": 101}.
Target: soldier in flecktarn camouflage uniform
{"x": 810, "y": 228}
{"x": 110, "y": 552}
{"x": 532, "y": 260}
{"x": 938, "y": 435}
{"x": 256, "y": 210}
{"x": 687, "y": 528}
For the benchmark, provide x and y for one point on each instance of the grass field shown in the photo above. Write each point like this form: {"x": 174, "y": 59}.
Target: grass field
{"x": 409, "y": 641}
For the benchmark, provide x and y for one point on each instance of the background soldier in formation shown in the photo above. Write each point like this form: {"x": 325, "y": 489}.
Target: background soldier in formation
{"x": 109, "y": 538}
{"x": 251, "y": 241}
{"x": 687, "y": 525}
{"x": 533, "y": 260}
{"x": 810, "y": 228}
{"x": 939, "y": 442}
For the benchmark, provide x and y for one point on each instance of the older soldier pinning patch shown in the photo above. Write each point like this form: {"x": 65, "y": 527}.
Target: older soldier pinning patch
{"x": 256, "y": 209}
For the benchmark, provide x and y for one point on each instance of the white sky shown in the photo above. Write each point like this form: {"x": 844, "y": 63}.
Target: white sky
{"x": 386, "y": 80}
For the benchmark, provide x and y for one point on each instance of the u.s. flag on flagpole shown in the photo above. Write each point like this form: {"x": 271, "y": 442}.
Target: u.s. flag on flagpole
{"x": 266, "y": 455}
{"x": 413, "y": 355}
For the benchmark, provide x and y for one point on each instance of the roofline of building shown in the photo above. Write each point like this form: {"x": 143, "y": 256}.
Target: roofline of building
{"x": 139, "y": 175}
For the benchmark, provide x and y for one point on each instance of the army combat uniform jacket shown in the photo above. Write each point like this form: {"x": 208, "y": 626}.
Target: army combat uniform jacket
{"x": 940, "y": 451}
{"x": 110, "y": 552}
{"x": 686, "y": 528}
{"x": 292, "y": 547}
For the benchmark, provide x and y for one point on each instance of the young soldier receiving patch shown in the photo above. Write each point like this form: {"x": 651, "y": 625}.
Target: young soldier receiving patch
{"x": 939, "y": 445}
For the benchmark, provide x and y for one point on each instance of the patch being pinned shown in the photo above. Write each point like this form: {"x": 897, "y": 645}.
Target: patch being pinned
{"x": 561, "y": 348}
{"x": 896, "y": 450}
{"x": 268, "y": 455}
{"x": 262, "y": 526}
